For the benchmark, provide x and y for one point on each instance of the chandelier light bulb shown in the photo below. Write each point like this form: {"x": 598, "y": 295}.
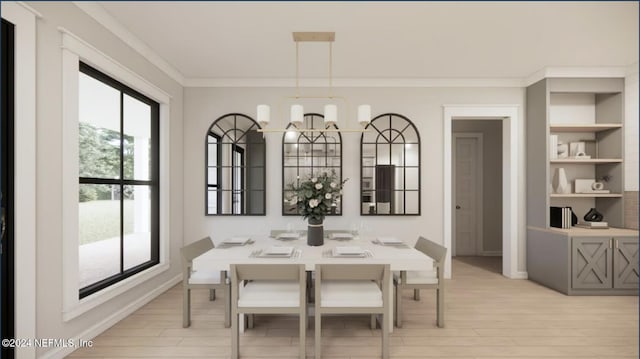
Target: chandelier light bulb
{"x": 364, "y": 115}
{"x": 330, "y": 114}
{"x": 264, "y": 115}
{"x": 297, "y": 115}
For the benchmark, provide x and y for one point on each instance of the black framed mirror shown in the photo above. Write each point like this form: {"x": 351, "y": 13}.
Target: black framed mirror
{"x": 390, "y": 167}
{"x": 235, "y": 179}
{"x": 305, "y": 154}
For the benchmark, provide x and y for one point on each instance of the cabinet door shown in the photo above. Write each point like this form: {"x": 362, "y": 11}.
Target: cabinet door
{"x": 591, "y": 263}
{"x": 625, "y": 263}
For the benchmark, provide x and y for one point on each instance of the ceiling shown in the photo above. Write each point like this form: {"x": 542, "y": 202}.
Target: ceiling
{"x": 229, "y": 40}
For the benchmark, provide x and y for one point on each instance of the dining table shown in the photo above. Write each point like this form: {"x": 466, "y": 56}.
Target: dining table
{"x": 399, "y": 254}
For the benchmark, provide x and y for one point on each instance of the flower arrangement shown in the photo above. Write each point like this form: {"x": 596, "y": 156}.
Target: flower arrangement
{"x": 315, "y": 196}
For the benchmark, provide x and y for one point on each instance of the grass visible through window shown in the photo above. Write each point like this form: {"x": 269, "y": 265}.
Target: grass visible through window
{"x": 100, "y": 220}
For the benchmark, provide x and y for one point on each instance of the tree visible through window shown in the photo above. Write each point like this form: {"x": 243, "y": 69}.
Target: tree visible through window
{"x": 118, "y": 181}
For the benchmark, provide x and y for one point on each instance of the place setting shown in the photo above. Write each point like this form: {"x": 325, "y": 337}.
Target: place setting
{"x": 347, "y": 252}
{"x": 235, "y": 242}
{"x": 340, "y": 236}
{"x": 390, "y": 242}
{"x": 277, "y": 252}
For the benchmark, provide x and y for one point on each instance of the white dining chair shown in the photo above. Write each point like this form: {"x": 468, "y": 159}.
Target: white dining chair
{"x": 201, "y": 279}
{"x": 423, "y": 280}
{"x": 267, "y": 289}
{"x": 352, "y": 289}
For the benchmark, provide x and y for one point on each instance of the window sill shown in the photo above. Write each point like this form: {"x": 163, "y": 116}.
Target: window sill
{"x": 94, "y": 300}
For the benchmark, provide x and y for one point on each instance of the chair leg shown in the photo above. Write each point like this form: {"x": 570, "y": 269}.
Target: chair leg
{"x": 212, "y": 294}
{"x": 398, "y": 306}
{"x": 235, "y": 335}
{"x": 440, "y": 307}
{"x": 250, "y": 320}
{"x": 373, "y": 324}
{"x": 303, "y": 334}
{"x": 227, "y": 306}
{"x": 318, "y": 337}
{"x": 416, "y": 294}
{"x": 186, "y": 306}
{"x": 385, "y": 336}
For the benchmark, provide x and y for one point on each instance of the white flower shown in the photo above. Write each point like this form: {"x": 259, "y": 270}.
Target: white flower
{"x": 314, "y": 180}
{"x": 294, "y": 200}
{"x": 318, "y": 185}
{"x": 313, "y": 203}
{"x": 333, "y": 185}
{"x": 327, "y": 196}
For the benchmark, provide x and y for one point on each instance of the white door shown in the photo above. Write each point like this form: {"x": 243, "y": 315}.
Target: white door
{"x": 467, "y": 176}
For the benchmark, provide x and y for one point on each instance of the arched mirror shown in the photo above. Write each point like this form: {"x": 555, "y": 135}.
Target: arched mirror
{"x": 235, "y": 161}
{"x": 390, "y": 167}
{"x": 305, "y": 154}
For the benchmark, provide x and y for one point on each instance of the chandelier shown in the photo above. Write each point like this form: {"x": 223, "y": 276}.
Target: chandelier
{"x": 296, "y": 118}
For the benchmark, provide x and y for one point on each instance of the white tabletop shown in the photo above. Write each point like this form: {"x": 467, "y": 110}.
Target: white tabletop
{"x": 400, "y": 258}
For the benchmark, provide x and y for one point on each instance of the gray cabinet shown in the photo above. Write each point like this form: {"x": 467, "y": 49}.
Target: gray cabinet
{"x": 579, "y": 261}
{"x": 604, "y": 263}
{"x": 625, "y": 263}
{"x": 591, "y": 263}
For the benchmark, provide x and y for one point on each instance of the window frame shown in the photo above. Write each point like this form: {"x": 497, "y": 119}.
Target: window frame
{"x": 153, "y": 183}
{"x": 74, "y": 49}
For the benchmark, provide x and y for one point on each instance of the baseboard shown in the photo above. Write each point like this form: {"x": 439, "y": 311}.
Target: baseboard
{"x": 108, "y": 322}
{"x": 491, "y": 253}
{"x": 520, "y": 275}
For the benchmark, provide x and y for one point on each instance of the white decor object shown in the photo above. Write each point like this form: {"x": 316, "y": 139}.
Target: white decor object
{"x": 330, "y": 110}
{"x": 576, "y": 149}
{"x": 563, "y": 150}
{"x": 553, "y": 147}
{"x": 560, "y": 183}
{"x": 589, "y": 186}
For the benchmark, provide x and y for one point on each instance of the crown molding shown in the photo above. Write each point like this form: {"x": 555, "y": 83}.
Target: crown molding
{"x": 569, "y": 72}
{"x": 353, "y": 82}
{"x": 105, "y": 19}
{"x": 30, "y": 9}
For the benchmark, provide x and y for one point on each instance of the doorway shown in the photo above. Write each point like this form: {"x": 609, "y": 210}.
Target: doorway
{"x": 467, "y": 196}
{"x": 513, "y": 208}
{"x": 6, "y": 188}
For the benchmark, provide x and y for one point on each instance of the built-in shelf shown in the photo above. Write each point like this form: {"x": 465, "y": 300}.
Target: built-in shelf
{"x": 587, "y": 161}
{"x": 594, "y": 127}
{"x": 586, "y": 195}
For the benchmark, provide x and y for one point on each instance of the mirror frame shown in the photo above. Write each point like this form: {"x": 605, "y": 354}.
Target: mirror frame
{"x": 310, "y": 123}
{"x": 400, "y": 128}
{"x": 206, "y": 166}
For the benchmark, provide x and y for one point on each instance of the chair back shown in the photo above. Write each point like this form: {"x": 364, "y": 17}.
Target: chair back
{"x": 289, "y": 272}
{"x": 193, "y": 250}
{"x": 377, "y": 272}
{"x": 431, "y": 249}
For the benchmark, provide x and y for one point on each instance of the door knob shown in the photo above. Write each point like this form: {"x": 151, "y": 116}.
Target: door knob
{"x": 457, "y": 207}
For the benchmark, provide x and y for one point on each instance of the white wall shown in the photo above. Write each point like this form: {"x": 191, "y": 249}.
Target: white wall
{"x": 631, "y": 143}
{"x": 49, "y": 166}
{"x": 422, "y": 105}
{"x": 491, "y": 178}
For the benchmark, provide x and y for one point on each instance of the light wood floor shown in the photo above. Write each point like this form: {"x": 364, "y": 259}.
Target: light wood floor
{"x": 487, "y": 316}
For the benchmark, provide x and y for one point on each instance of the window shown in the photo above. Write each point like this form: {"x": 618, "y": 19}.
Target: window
{"x": 118, "y": 209}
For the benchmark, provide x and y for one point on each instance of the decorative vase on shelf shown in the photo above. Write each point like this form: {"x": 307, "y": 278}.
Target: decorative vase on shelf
{"x": 315, "y": 232}
{"x": 560, "y": 183}
{"x": 593, "y": 216}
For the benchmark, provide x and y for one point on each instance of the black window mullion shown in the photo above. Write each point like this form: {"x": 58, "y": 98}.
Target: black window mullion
{"x": 121, "y": 182}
